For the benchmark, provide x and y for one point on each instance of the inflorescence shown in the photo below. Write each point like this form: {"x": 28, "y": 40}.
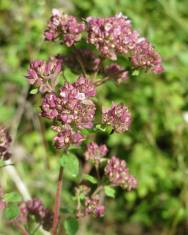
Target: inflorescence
{"x": 35, "y": 207}
{"x": 72, "y": 107}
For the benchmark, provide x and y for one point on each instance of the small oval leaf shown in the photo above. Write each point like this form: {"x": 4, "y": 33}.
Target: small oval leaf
{"x": 71, "y": 164}
{"x": 71, "y": 226}
{"x": 109, "y": 191}
{"x": 11, "y": 212}
{"x": 12, "y": 197}
{"x": 90, "y": 178}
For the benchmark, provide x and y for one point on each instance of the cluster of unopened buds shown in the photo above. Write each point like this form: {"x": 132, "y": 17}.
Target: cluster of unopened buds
{"x": 70, "y": 106}
{"x": 35, "y": 207}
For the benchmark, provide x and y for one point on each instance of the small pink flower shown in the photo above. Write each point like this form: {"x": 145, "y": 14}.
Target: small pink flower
{"x": 95, "y": 152}
{"x": 72, "y": 106}
{"x": 66, "y": 137}
{"x": 63, "y": 26}
{"x": 114, "y": 35}
{"x": 43, "y": 74}
{"x": 118, "y": 117}
{"x": 118, "y": 174}
{"x": 85, "y": 86}
{"x": 49, "y": 106}
{"x": 93, "y": 206}
{"x": 144, "y": 56}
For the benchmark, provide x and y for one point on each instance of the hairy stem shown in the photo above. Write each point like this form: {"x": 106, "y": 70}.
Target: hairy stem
{"x": 57, "y": 202}
{"x": 101, "y": 81}
{"x": 79, "y": 59}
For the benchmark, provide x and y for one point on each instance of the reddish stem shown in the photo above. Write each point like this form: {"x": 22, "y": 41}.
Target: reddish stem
{"x": 101, "y": 81}
{"x": 57, "y": 202}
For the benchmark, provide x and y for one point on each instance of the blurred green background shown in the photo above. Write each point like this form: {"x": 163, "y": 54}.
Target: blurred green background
{"x": 156, "y": 146}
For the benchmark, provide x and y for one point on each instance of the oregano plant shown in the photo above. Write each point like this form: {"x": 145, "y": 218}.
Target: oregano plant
{"x": 96, "y": 48}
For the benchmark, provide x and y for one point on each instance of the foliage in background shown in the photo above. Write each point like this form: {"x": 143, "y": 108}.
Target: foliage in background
{"x": 155, "y": 147}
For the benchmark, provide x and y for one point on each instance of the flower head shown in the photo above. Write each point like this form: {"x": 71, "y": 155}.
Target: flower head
{"x": 35, "y": 208}
{"x": 118, "y": 174}
{"x": 144, "y": 56}
{"x": 95, "y": 152}
{"x": 118, "y": 117}
{"x": 111, "y": 35}
{"x": 85, "y": 87}
{"x": 72, "y": 106}
{"x": 49, "y": 106}
{"x": 63, "y": 26}
{"x": 43, "y": 74}
{"x": 114, "y": 35}
{"x": 93, "y": 206}
{"x": 66, "y": 137}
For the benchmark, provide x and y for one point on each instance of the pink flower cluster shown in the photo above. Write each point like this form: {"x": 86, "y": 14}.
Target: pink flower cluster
{"x": 118, "y": 117}
{"x": 145, "y": 57}
{"x": 118, "y": 174}
{"x": 115, "y": 35}
{"x": 5, "y": 141}
{"x": 89, "y": 60}
{"x": 116, "y": 72}
{"x": 43, "y": 74}
{"x": 72, "y": 108}
{"x": 63, "y": 27}
{"x": 36, "y": 208}
{"x": 67, "y": 136}
{"x": 93, "y": 206}
{"x": 94, "y": 153}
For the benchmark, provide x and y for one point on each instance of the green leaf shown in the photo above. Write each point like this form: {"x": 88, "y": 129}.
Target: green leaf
{"x": 87, "y": 131}
{"x": 71, "y": 165}
{"x": 34, "y": 91}
{"x": 2, "y": 163}
{"x": 71, "y": 226}
{"x": 100, "y": 127}
{"x": 109, "y": 191}
{"x": 90, "y": 178}
{"x": 12, "y": 197}
{"x": 135, "y": 73}
{"x": 104, "y": 128}
{"x": 6, "y": 113}
{"x": 11, "y": 212}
